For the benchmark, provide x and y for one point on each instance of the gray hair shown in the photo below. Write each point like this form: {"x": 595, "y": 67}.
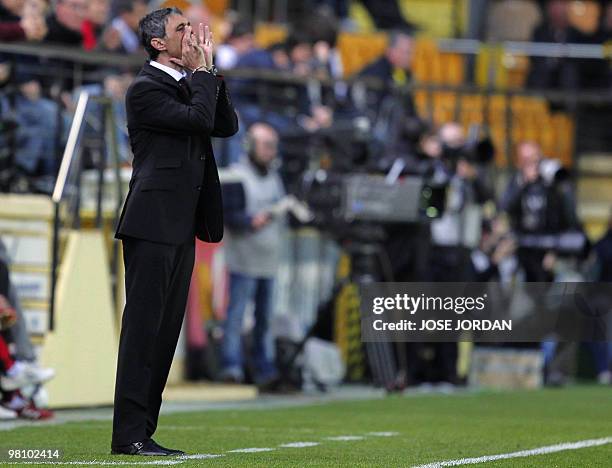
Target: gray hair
{"x": 153, "y": 25}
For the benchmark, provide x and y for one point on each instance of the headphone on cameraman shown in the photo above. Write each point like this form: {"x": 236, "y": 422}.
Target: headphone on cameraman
{"x": 248, "y": 142}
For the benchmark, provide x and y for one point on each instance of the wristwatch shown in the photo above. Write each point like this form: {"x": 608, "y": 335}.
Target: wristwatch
{"x": 212, "y": 70}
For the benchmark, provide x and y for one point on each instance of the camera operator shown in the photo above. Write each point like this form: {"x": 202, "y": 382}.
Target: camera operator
{"x": 538, "y": 200}
{"x": 252, "y": 246}
{"x": 412, "y": 150}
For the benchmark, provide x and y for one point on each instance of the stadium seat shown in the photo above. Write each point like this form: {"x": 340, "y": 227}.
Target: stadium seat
{"x": 435, "y": 17}
{"x": 267, "y": 34}
{"x": 217, "y": 7}
{"x": 357, "y": 50}
{"x": 182, "y": 4}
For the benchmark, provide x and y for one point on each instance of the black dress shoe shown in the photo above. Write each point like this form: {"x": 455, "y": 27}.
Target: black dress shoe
{"x": 146, "y": 447}
{"x": 170, "y": 451}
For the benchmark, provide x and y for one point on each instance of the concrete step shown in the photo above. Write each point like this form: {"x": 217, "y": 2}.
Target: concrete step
{"x": 596, "y": 164}
{"x": 209, "y": 391}
{"x": 594, "y": 189}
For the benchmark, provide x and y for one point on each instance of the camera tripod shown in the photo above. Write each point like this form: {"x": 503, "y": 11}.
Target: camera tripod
{"x": 369, "y": 264}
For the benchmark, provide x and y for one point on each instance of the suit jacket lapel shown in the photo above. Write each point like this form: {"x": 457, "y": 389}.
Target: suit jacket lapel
{"x": 159, "y": 75}
{"x": 183, "y": 91}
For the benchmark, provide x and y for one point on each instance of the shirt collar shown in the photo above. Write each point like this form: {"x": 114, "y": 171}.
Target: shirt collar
{"x": 177, "y": 75}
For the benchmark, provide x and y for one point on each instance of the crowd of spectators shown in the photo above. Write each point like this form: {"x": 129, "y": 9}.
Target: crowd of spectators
{"x": 39, "y": 93}
{"x": 476, "y": 238}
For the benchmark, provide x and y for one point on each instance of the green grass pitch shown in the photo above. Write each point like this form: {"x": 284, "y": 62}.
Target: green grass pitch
{"x": 419, "y": 429}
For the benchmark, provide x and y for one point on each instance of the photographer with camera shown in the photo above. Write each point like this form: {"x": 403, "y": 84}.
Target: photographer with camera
{"x": 457, "y": 232}
{"x": 539, "y": 201}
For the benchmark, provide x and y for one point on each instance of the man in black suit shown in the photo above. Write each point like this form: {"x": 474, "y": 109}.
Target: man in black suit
{"x": 174, "y": 106}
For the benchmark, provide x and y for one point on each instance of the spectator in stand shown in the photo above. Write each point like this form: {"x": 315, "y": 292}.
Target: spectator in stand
{"x": 114, "y": 86}
{"x": 597, "y": 73}
{"x": 554, "y": 72}
{"x": 97, "y": 16}
{"x": 394, "y": 65}
{"x": 511, "y": 20}
{"x": 122, "y": 34}
{"x": 323, "y": 26}
{"x": 393, "y": 69}
{"x": 298, "y": 48}
{"x": 11, "y": 10}
{"x": 285, "y": 101}
{"x": 22, "y": 20}
{"x": 605, "y": 28}
{"x": 37, "y": 129}
{"x": 240, "y": 41}
{"x": 66, "y": 23}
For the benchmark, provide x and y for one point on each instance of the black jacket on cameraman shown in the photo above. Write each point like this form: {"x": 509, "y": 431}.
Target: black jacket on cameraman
{"x": 175, "y": 192}
{"x": 539, "y": 207}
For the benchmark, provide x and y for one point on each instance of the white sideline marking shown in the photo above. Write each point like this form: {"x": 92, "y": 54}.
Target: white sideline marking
{"x": 200, "y": 456}
{"x": 299, "y": 444}
{"x": 199, "y": 428}
{"x": 96, "y": 462}
{"x": 345, "y": 438}
{"x": 522, "y": 453}
{"x": 251, "y": 450}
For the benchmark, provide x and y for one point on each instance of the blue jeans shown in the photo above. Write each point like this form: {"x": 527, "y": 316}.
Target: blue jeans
{"x": 242, "y": 289}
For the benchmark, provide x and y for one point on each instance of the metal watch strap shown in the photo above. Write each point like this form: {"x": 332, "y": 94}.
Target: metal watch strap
{"x": 212, "y": 70}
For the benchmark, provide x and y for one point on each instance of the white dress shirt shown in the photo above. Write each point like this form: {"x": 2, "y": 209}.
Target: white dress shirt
{"x": 177, "y": 75}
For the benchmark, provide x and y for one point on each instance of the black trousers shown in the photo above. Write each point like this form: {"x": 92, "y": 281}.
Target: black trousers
{"x": 157, "y": 278}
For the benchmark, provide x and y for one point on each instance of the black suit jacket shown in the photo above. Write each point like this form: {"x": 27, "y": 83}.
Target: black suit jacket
{"x": 175, "y": 192}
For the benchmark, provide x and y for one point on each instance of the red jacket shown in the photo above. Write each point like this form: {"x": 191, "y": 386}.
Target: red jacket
{"x": 11, "y": 32}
